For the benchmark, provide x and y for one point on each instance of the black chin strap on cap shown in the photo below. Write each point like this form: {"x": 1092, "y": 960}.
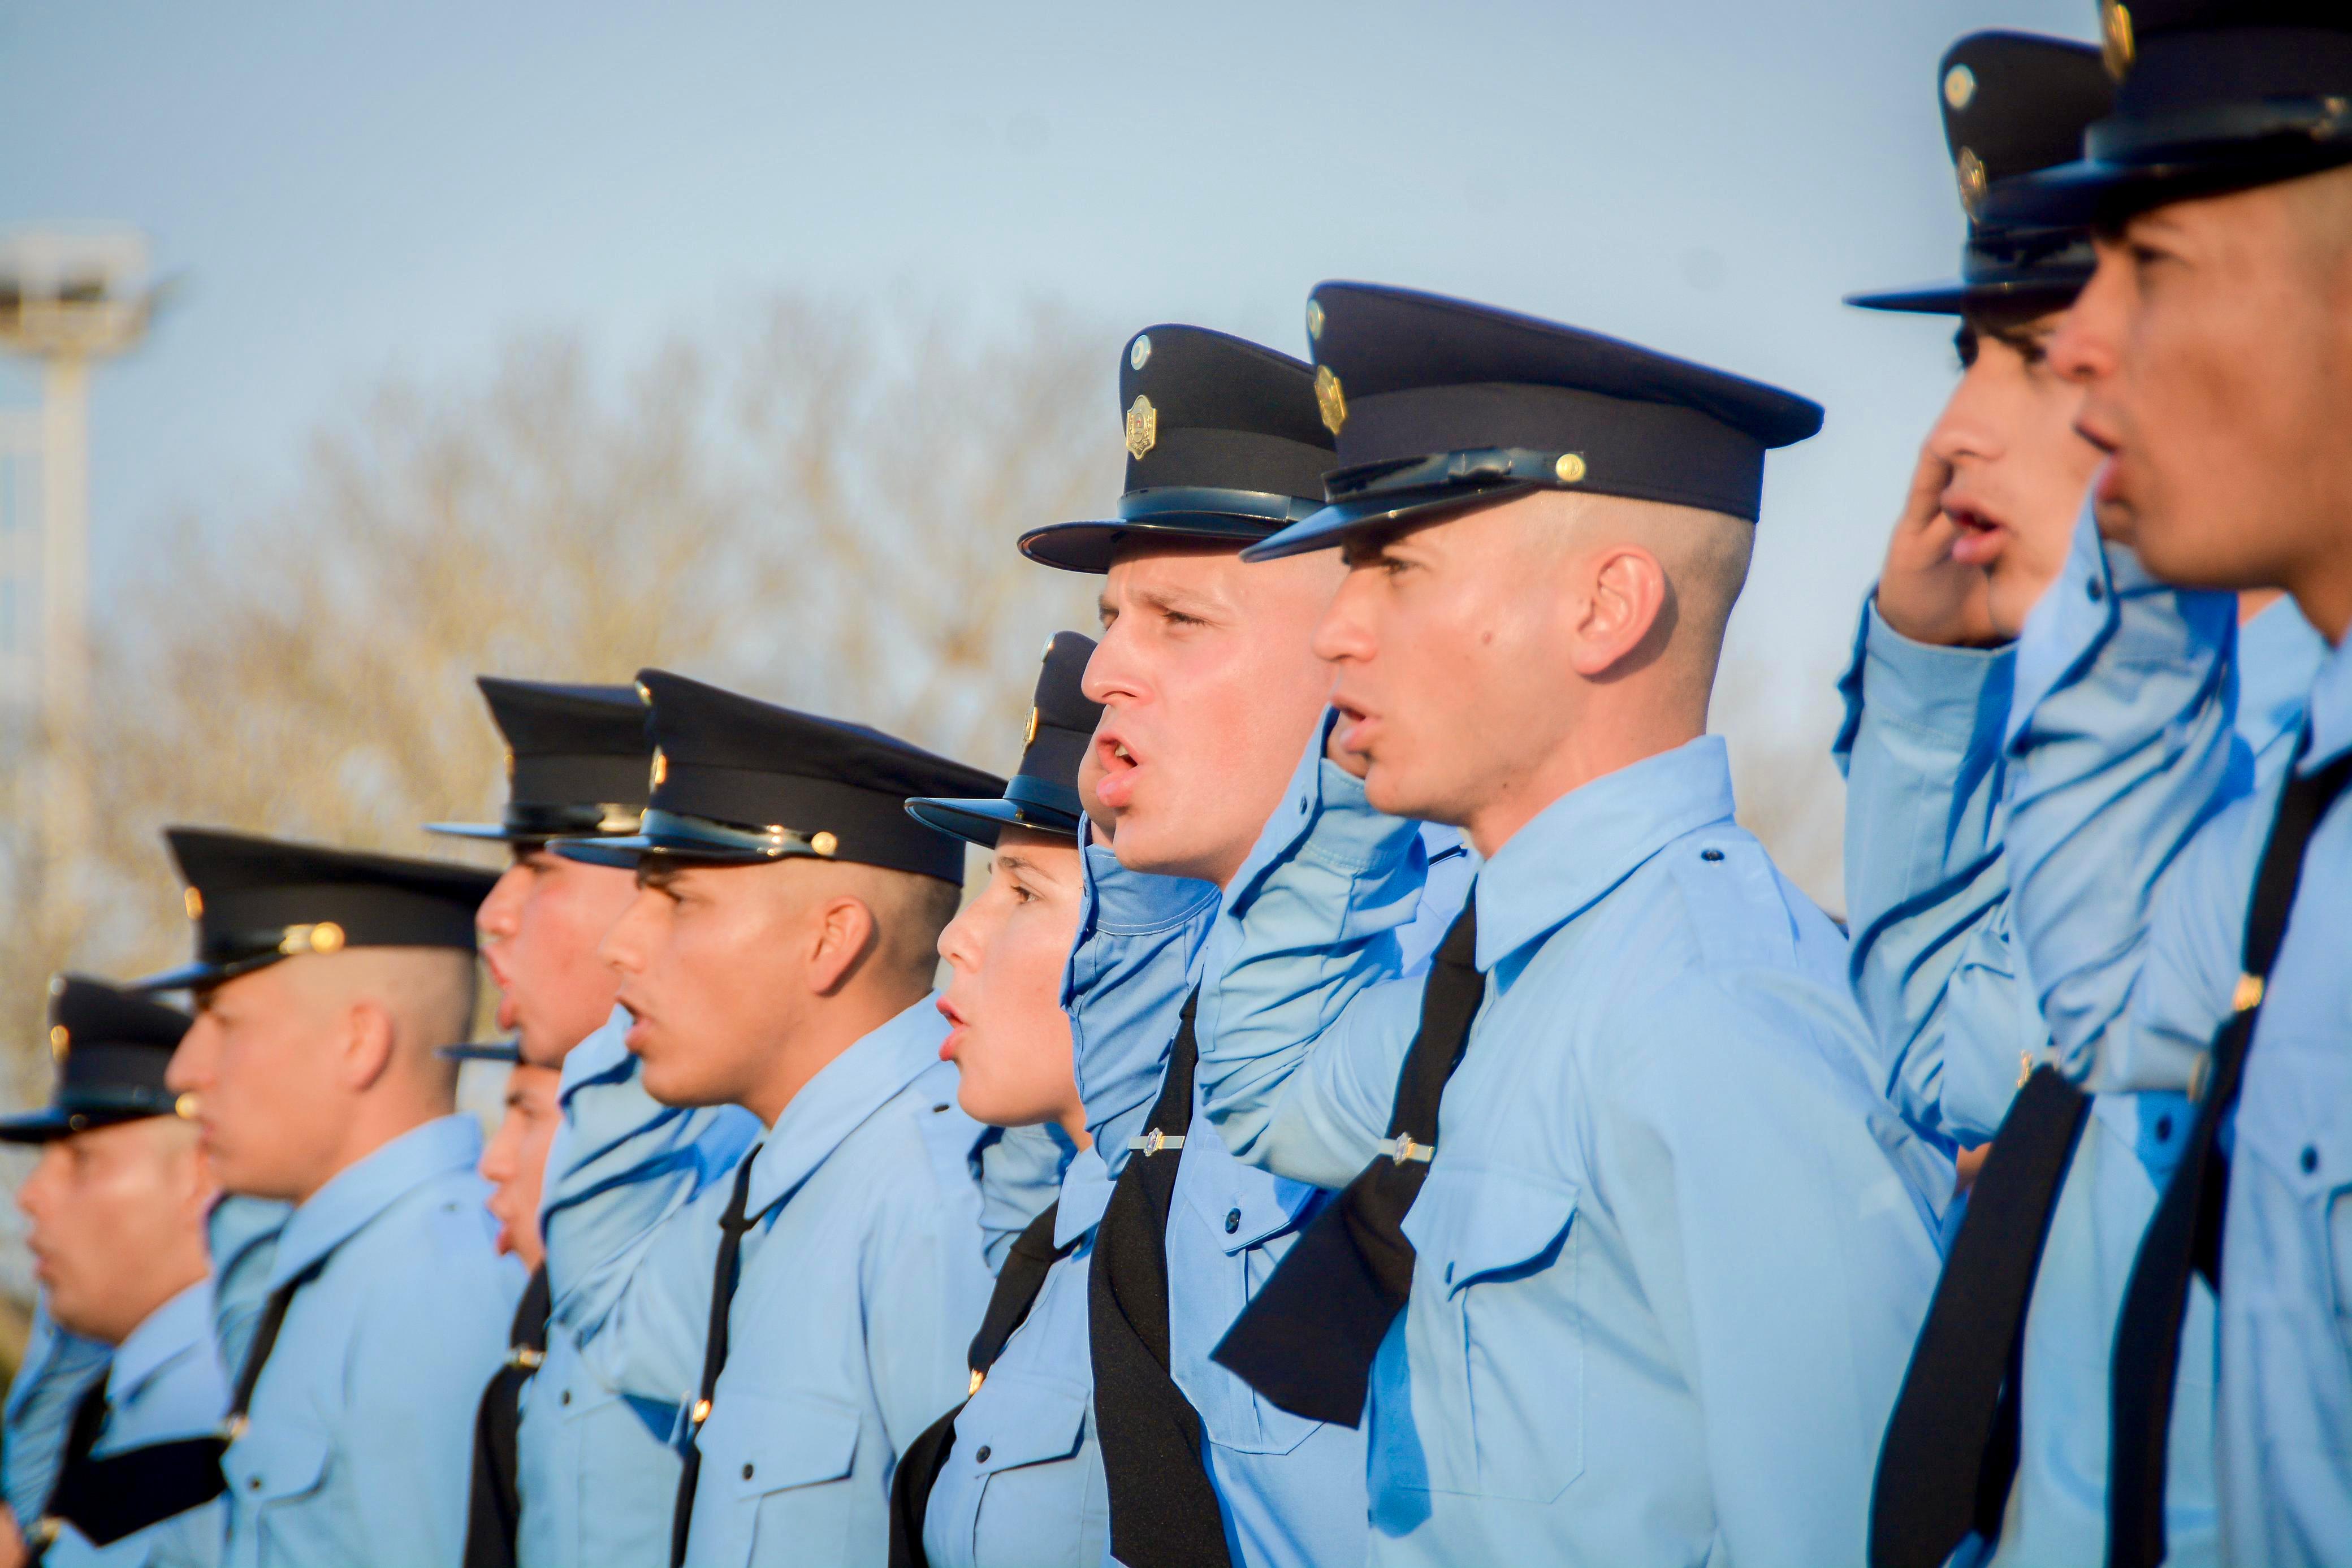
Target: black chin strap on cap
{"x": 1307, "y": 1339}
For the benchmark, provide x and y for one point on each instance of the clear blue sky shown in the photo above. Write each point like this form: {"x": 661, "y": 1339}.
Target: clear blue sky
{"x": 361, "y": 187}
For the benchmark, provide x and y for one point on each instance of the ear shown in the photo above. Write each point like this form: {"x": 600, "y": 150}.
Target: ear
{"x": 844, "y": 934}
{"x": 1627, "y": 608}
{"x": 369, "y": 1035}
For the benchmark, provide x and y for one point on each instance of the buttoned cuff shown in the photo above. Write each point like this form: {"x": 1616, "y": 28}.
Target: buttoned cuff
{"x": 1940, "y": 691}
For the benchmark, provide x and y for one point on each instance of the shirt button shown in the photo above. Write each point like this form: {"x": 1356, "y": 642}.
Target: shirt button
{"x": 983, "y": 1454}
{"x": 564, "y": 1398}
{"x": 747, "y": 1472}
{"x": 2096, "y": 588}
{"x": 1711, "y": 854}
{"x": 2163, "y": 1129}
{"x": 1232, "y": 1220}
{"x": 2310, "y": 1159}
{"x": 254, "y": 1484}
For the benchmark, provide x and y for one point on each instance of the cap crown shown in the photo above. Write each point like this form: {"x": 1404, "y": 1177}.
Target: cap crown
{"x": 2015, "y": 103}
{"x": 1200, "y": 409}
{"x": 571, "y": 744}
{"x": 110, "y": 1049}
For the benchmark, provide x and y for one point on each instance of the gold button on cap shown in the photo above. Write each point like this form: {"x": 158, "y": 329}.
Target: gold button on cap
{"x": 1959, "y": 87}
{"x": 824, "y": 843}
{"x": 1571, "y": 467}
{"x": 1140, "y": 351}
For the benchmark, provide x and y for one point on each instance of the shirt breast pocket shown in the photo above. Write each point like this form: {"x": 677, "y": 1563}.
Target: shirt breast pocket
{"x": 1023, "y": 1449}
{"x": 1494, "y": 1278}
{"x": 270, "y": 1468}
{"x": 775, "y": 1468}
{"x": 2296, "y": 1118}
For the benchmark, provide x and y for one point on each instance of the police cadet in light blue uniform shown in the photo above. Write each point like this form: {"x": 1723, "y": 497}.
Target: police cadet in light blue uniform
{"x": 325, "y": 981}
{"x": 1013, "y": 1477}
{"x": 1933, "y": 964}
{"x": 806, "y": 1318}
{"x": 2149, "y": 922}
{"x": 1210, "y": 688}
{"x": 568, "y": 1471}
{"x": 1644, "y": 1289}
{"x": 127, "y": 1451}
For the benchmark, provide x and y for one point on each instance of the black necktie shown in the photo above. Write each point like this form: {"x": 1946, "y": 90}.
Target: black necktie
{"x": 1032, "y": 1257}
{"x": 1951, "y": 1451}
{"x": 2186, "y": 1232}
{"x": 731, "y": 1225}
{"x": 1307, "y": 1340}
{"x": 1163, "y": 1506}
{"x": 494, "y": 1504}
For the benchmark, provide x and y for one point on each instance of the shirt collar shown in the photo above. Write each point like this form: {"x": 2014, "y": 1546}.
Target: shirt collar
{"x": 333, "y": 1214}
{"x": 843, "y": 1094}
{"x": 2279, "y": 655}
{"x": 180, "y": 1325}
{"x": 1086, "y": 1194}
{"x": 1590, "y": 839}
{"x": 2331, "y": 709}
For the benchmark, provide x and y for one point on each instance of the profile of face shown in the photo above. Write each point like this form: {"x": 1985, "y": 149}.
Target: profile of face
{"x": 541, "y": 924}
{"x": 116, "y": 1223}
{"x": 262, "y": 1061}
{"x": 514, "y": 1162}
{"x": 2214, "y": 344}
{"x": 1008, "y": 1036}
{"x": 2019, "y": 469}
{"x": 1209, "y": 689}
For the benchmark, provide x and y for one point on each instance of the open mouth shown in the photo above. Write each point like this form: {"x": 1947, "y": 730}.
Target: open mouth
{"x": 1981, "y": 535}
{"x": 1120, "y": 765}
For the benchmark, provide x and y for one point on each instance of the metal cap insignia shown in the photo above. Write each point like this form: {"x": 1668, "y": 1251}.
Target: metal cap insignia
{"x": 1142, "y": 426}
{"x": 192, "y": 902}
{"x": 1571, "y": 467}
{"x": 1959, "y": 87}
{"x": 2115, "y": 45}
{"x": 1331, "y": 398}
{"x": 1971, "y": 171}
{"x": 1314, "y": 318}
{"x": 60, "y": 1042}
{"x": 1029, "y": 735}
{"x": 1139, "y": 350}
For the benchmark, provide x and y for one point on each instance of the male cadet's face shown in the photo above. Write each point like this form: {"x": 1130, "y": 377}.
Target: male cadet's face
{"x": 1451, "y": 670}
{"x": 540, "y": 925}
{"x": 711, "y": 973}
{"x": 514, "y": 1162}
{"x": 2215, "y": 345}
{"x": 1209, "y": 689}
{"x": 262, "y": 1061}
{"x": 112, "y": 1211}
{"x": 2019, "y": 470}
{"x": 1007, "y": 1033}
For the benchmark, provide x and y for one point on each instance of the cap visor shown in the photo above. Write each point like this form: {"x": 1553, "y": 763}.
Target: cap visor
{"x": 1091, "y": 547}
{"x": 2087, "y": 192}
{"x": 979, "y": 821}
{"x": 43, "y": 1126}
{"x": 625, "y": 852}
{"x": 504, "y": 1050}
{"x": 1331, "y": 527}
{"x": 187, "y": 977}
{"x": 472, "y": 831}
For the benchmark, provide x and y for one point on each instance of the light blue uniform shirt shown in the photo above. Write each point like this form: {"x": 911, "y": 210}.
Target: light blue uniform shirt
{"x": 1935, "y": 967}
{"x": 1674, "y": 1246}
{"x": 2135, "y": 961}
{"x": 1023, "y": 1486}
{"x": 166, "y": 1383}
{"x": 862, "y": 1280}
{"x": 1291, "y": 1489}
{"x": 595, "y": 1471}
{"x": 58, "y": 1370}
{"x": 361, "y": 1435}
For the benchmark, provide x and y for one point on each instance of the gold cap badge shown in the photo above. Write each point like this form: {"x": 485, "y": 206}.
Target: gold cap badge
{"x": 1959, "y": 87}
{"x": 186, "y": 1106}
{"x": 60, "y": 1042}
{"x": 1142, "y": 426}
{"x": 1971, "y": 171}
{"x": 326, "y": 936}
{"x": 2116, "y": 46}
{"x": 1571, "y": 467}
{"x": 1331, "y": 398}
{"x": 1029, "y": 735}
{"x": 1314, "y": 318}
{"x": 192, "y": 902}
{"x": 1139, "y": 352}
{"x": 825, "y": 843}
{"x": 661, "y": 765}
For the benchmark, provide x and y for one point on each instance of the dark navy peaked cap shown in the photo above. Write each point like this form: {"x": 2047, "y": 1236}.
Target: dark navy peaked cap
{"x": 256, "y": 901}
{"x": 2210, "y": 96}
{"x": 576, "y": 761}
{"x": 736, "y": 781}
{"x": 2013, "y": 104}
{"x": 506, "y": 1051}
{"x": 1043, "y": 793}
{"x": 1441, "y": 404}
{"x": 110, "y": 1048}
{"x": 1223, "y": 444}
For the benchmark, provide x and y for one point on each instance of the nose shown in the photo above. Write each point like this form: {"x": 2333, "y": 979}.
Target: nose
{"x": 2084, "y": 349}
{"x": 191, "y": 1067}
{"x": 958, "y": 943}
{"x": 1111, "y": 673}
{"x": 1964, "y": 432}
{"x": 1344, "y": 634}
{"x": 497, "y": 1167}
{"x": 500, "y": 915}
{"x": 623, "y": 950}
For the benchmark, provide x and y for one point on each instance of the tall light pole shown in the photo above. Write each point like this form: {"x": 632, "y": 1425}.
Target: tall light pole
{"x": 68, "y": 298}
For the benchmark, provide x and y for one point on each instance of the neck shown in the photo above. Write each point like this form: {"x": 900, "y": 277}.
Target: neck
{"x": 373, "y": 1125}
{"x": 185, "y": 1268}
{"x": 1598, "y": 746}
{"x": 830, "y": 1028}
{"x": 2325, "y": 597}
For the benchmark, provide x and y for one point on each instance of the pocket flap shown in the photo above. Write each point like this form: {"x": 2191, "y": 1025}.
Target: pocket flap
{"x": 278, "y": 1460}
{"x": 756, "y": 1443}
{"x": 1241, "y": 1205}
{"x": 2305, "y": 1135}
{"x": 1037, "y": 1419}
{"x": 1471, "y": 1223}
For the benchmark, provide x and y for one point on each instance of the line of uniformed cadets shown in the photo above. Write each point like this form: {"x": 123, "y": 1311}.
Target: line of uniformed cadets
{"x": 1383, "y": 1106}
